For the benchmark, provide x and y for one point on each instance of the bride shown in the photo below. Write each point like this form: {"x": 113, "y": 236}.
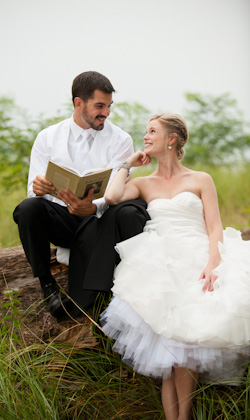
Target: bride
{"x": 181, "y": 292}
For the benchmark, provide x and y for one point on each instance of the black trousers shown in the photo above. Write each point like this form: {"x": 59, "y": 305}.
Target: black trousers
{"x": 92, "y": 254}
{"x": 91, "y": 240}
{"x": 41, "y": 222}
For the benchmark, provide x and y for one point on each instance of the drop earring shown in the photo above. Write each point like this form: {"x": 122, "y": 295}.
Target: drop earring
{"x": 169, "y": 147}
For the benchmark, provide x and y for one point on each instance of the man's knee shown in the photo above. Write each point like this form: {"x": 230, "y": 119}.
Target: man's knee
{"x": 130, "y": 220}
{"x": 127, "y": 213}
{"x": 28, "y": 209}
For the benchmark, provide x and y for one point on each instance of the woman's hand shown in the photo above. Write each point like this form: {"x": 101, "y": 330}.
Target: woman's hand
{"x": 139, "y": 158}
{"x": 209, "y": 278}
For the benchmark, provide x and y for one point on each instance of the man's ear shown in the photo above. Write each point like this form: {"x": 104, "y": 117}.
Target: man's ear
{"x": 78, "y": 102}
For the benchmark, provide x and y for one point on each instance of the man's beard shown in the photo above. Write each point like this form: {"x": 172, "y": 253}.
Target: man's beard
{"x": 96, "y": 125}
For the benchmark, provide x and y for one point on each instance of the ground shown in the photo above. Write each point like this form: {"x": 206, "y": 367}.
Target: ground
{"x": 37, "y": 323}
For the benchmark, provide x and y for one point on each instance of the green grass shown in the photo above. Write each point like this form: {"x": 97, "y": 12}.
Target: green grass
{"x": 57, "y": 382}
{"x": 233, "y": 189}
{"x": 8, "y": 229}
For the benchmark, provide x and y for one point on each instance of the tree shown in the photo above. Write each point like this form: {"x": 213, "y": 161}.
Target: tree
{"x": 17, "y": 135}
{"x": 133, "y": 118}
{"x": 217, "y": 133}
{"x": 18, "y": 132}
{"x": 14, "y": 142}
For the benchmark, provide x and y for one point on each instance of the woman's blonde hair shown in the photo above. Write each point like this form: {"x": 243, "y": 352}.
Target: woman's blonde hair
{"x": 174, "y": 123}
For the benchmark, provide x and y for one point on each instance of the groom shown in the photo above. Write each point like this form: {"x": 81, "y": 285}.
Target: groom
{"x": 87, "y": 140}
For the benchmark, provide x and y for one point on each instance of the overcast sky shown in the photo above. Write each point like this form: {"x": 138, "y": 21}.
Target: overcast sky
{"x": 153, "y": 51}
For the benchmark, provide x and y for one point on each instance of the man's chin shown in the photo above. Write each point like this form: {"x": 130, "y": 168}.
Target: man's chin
{"x": 98, "y": 127}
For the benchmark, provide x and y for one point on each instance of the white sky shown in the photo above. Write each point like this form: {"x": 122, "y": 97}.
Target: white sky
{"x": 152, "y": 51}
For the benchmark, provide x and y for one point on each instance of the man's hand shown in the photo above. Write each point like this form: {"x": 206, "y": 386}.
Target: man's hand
{"x": 77, "y": 206}
{"x": 42, "y": 186}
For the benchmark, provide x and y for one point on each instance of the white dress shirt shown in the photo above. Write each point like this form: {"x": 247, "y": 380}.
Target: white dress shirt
{"x": 108, "y": 148}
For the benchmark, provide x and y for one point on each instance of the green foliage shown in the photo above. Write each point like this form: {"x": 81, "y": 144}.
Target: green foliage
{"x": 14, "y": 143}
{"x": 218, "y": 134}
{"x": 133, "y": 118}
{"x": 17, "y": 135}
{"x": 10, "y": 324}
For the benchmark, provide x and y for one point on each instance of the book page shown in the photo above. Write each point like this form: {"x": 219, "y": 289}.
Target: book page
{"x": 60, "y": 181}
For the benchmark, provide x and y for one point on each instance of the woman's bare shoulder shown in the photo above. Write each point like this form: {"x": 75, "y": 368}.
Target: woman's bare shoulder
{"x": 142, "y": 179}
{"x": 204, "y": 176}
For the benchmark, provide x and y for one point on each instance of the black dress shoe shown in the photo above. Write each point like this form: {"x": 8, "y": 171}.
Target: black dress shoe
{"x": 55, "y": 301}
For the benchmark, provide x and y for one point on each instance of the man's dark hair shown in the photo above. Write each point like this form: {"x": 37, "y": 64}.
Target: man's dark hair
{"x": 86, "y": 83}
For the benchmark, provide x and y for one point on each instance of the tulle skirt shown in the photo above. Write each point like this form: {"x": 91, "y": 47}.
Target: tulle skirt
{"x": 159, "y": 316}
{"x": 154, "y": 355}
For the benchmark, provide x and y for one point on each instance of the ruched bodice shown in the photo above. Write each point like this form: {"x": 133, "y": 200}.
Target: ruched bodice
{"x": 184, "y": 212}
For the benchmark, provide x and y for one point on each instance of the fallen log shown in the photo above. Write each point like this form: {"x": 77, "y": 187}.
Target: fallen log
{"x": 15, "y": 269}
{"x": 245, "y": 233}
{"x": 16, "y": 274}
{"x": 14, "y": 266}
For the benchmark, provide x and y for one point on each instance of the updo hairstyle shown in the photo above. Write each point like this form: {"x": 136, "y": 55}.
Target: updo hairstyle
{"x": 174, "y": 123}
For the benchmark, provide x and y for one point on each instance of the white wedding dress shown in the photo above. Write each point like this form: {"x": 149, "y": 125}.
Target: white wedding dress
{"x": 159, "y": 315}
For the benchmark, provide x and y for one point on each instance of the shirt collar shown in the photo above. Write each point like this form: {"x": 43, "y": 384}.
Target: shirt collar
{"x": 77, "y": 130}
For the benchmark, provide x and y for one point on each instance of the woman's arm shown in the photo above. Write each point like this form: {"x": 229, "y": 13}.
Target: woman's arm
{"x": 119, "y": 190}
{"x": 214, "y": 228}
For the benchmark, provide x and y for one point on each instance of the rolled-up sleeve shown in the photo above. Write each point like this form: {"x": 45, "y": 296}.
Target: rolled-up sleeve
{"x": 122, "y": 150}
{"x": 38, "y": 162}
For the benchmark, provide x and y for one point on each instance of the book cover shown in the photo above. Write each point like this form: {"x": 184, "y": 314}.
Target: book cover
{"x": 79, "y": 184}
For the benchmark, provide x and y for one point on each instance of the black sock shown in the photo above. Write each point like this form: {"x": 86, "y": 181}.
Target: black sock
{"x": 47, "y": 279}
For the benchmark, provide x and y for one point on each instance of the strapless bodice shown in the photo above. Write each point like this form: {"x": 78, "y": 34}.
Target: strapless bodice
{"x": 184, "y": 212}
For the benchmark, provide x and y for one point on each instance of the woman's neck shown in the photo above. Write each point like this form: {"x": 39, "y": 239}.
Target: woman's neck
{"x": 168, "y": 167}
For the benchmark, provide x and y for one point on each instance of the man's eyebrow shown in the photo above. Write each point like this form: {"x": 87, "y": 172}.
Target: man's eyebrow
{"x": 102, "y": 103}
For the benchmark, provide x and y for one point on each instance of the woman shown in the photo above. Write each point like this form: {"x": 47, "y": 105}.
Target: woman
{"x": 181, "y": 298}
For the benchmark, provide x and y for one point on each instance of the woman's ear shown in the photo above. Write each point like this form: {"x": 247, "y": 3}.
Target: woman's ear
{"x": 172, "y": 138}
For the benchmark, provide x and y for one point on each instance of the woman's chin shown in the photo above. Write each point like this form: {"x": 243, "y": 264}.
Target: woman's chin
{"x": 149, "y": 152}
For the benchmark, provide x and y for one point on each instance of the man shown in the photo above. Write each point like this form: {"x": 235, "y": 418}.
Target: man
{"x": 84, "y": 141}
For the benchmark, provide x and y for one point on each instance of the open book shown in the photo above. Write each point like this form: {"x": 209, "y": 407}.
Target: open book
{"x": 79, "y": 184}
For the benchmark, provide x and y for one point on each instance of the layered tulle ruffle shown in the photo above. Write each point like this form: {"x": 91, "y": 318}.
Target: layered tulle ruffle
{"x": 153, "y": 355}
